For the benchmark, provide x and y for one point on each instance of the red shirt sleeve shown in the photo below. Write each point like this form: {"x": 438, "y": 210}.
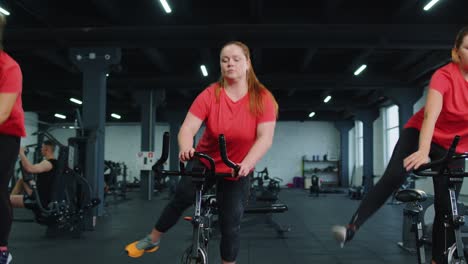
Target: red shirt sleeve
{"x": 201, "y": 105}
{"x": 269, "y": 109}
{"x": 11, "y": 80}
{"x": 440, "y": 81}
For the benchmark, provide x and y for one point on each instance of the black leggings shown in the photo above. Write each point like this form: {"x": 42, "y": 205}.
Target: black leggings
{"x": 9, "y": 148}
{"x": 395, "y": 175}
{"x": 231, "y": 197}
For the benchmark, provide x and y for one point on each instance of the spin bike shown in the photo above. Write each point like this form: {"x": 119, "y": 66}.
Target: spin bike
{"x": 454, "y": 253}
{"x": 205, "y": 209}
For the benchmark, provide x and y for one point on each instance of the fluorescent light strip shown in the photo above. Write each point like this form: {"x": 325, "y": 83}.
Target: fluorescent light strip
{"x": 203, "y": 70}
{"x": 76, "y": 101}
{"x": 166, "y": 6}
{"x": 311, "y": 114}
{"x": 60, "y": 116}
{"x": 4, "y": 11}
{"x": 362, "y": 68}
{"x": 327, "y": 99}
{"x": 116, "y": 116}
{"x": 430, "y": 5}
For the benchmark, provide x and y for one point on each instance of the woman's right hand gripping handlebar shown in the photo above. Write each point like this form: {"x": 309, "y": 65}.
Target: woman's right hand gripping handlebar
{"x": 186, "y": 154}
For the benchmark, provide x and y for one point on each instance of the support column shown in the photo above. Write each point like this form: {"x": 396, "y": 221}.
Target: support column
{"x": 175, "y": 120}
{"x": 367, "y": 117}
{"x": 148, "y": 99}
{"x": 405, "y": 99}
{"x": 94, "y": 63}
{"x": 344, "y": 127}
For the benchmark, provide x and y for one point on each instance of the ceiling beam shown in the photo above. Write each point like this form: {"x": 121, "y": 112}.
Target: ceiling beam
{"x": 257, "y": 58}
{"x": 410, "y": 59}
{"x": 402, "y": 10}
{"x": 345, "y": 36}
{"x": 256, "y": 11}
{"x": 158, "y": 59}
{"x": 57, "y": 59}
{"x": 429, "y": 63}
{"x": 331, "y": 10}
{"x": 309, "y": 55}
{"x": 272, "y": 81}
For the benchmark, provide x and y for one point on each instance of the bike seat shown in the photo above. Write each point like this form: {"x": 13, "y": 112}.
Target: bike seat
{"x": 411, "y": 195}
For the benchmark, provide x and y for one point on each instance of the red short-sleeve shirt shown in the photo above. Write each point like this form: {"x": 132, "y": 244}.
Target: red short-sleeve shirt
{"x": 11, "y": 81}
{"x": 453, "y": 118}
{"x": 233, "y": 119}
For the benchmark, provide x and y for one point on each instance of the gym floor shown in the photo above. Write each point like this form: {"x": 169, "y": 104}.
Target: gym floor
{"x": 309, "y": 241}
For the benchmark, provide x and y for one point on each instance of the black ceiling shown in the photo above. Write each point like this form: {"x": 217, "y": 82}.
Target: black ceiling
{"x": 301, "y": 50}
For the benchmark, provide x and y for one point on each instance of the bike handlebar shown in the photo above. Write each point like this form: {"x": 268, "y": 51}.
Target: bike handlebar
{"x": 182, "y": 171}
{"x": 224, "y": 157}
{"x": 443, "y": 163}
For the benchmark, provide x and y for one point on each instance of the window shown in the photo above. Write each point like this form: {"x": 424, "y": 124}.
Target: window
{"x": 360, "y": 144}
{"x": 391, "y": 131}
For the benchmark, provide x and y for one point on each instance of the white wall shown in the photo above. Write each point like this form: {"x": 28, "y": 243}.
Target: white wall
{"x": 293, "y": 140}
{"x": 30, "y": 122}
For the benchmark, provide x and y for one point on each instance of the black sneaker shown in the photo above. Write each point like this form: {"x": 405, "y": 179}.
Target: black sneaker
{"x": 5, "y": 257}
{"x": 343, "y": 234}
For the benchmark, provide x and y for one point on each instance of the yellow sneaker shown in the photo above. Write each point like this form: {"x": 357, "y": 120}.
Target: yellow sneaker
{"x": 138, "y": 248}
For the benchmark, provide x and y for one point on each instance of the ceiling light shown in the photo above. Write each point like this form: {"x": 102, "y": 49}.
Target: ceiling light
{"x": 60, "y": 116}
{"x": 430, "y": 5}
{"x": 166, "y": 6}
{"x": 358, "y": 71}
{"x": 311, "y": 114}
{"x": 203, "y": 70}
{"x": 4, "y": 11}
{"x": 116, "y": 116}
{"x": 327, "y": 99}
{"x": 76, "y": 101}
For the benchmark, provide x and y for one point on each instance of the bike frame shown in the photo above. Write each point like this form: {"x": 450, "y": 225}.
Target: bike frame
{"x": 199, "y": 223}
{"x": 457, "y": 220}
{"x": 452, "y": 176}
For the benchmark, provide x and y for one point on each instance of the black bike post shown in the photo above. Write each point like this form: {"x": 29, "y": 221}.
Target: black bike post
{"x": 456, "y": 223}
{"x": 419, "y": 243}
{"x": 196, "y": 221}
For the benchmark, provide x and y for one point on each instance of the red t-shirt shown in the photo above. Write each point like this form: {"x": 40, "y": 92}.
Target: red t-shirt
{"x": 233, "y": 119}
{"x": 453, "y": 119}
{"x": 11, "y": 81}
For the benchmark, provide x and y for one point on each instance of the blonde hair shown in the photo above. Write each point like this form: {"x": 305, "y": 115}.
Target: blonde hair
{"x": 458, "y": 42}
{"x": 256, "y": 89}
